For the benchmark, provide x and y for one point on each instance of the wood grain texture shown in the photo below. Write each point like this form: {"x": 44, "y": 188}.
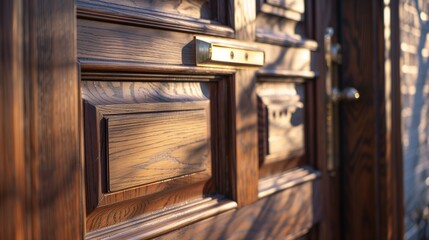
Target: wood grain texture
{"x": 107, "y": 94}
{"x": 143, "y": 206}
{"x": 364, "y": 122}
{"x": 291, "y": 178}
{"x": 151, "y": 147}
{"x": 134, "y": 46}
{"x": 394, "y": 180}
{"x": 94, "y": 67}
{"x": 177, "y": 103}
{"x": 129, "y": 43}
{"x": 284, "y": 39}
{"x": 195, "y": 16}
{"x": 135, "y": 110}
{"x": 13, "y": 177}
{"x": 53, "y": 130}
{"x": 245, "y": 140}
{"x": 165, "y": 221}
{"x": 325, "y": 15}
{"x": 192, "y": 8}
{"x": 286, "y": 215}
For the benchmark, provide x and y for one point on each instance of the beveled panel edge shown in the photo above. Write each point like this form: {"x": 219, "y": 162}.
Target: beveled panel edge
{"x": 285, "y": 40}
{"x": 289, "y": 179}
{"x": 146, "y": 18}
{"x": 147, "y": 227}
{"x": 94, "y": 66}
{"x": 276, "y": 75}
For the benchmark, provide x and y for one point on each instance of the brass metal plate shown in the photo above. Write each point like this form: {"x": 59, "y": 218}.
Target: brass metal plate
{"x": 213, "y": 53}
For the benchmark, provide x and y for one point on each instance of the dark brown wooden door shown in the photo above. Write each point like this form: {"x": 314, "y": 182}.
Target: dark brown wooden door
{"x": 229, "y": 150}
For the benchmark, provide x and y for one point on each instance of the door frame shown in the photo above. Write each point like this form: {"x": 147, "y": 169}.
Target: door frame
{"x": 45, "y": 180}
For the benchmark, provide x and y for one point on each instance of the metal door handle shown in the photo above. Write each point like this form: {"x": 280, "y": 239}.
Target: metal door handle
{"x": 333, "y": 96}
{"x": 347, "y": 94}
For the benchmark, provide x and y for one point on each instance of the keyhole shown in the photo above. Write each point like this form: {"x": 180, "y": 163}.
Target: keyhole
{"x": 232, "y": 54}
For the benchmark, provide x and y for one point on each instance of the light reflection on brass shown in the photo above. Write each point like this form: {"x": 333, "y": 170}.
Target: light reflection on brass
{"x": 211, "y": 53}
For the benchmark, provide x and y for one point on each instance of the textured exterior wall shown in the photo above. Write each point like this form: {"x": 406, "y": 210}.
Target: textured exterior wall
{"x": 414, "y": 27}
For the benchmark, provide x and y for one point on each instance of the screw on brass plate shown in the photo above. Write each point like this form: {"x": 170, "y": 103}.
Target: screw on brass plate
{"x": 232, "y": 54}
{"x": 246, "y": 56}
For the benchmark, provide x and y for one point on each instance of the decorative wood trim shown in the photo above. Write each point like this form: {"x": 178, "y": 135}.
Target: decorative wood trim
{"x": 273, "y": 184}
{"x": 283, "y": 39}
{"x": 147, "y": 227}
{"x": 281, "y": 12}
{"x": 284, "y": 215}
{"x": 268, "y": 75}
{"x": 394, "y": 223}
{"x": 275, "y": 105}
{"x": 126, "y": 69}
{"x": 54, "y": 171}
{"x": 147, "y": 18}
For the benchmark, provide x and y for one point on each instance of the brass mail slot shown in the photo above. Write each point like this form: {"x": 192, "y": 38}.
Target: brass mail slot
{"x": 216, "y": 54}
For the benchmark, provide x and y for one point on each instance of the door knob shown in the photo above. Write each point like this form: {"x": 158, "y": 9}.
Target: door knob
{"x": 347, "y": 94}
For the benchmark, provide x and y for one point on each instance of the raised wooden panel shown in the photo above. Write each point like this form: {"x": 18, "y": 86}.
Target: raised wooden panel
{"x": 286, "y": 22}
{"x": 150, "y": 147}
{"x": 281, "y": 124}
{"x": 154, "y": 143}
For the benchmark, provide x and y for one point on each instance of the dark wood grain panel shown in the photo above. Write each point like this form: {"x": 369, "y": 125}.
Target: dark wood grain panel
{"x": 286, "y": 215}
{"x": 129, "y": 43}
{"x": 52, "y": 113}
{"x": 41, "y": 174}
{"x": 363, "y": 130}
{"x": 13, "y": 177}
{"x": 367, "y": 163}
{"x": 147, "y": 148}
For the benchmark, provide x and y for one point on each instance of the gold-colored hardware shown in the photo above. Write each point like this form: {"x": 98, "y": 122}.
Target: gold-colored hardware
{"x": 213, "y": 53}
{"x": 333, "y": 58}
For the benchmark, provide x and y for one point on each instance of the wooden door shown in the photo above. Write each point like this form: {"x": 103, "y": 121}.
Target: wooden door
{"x": 233, "y": 149}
